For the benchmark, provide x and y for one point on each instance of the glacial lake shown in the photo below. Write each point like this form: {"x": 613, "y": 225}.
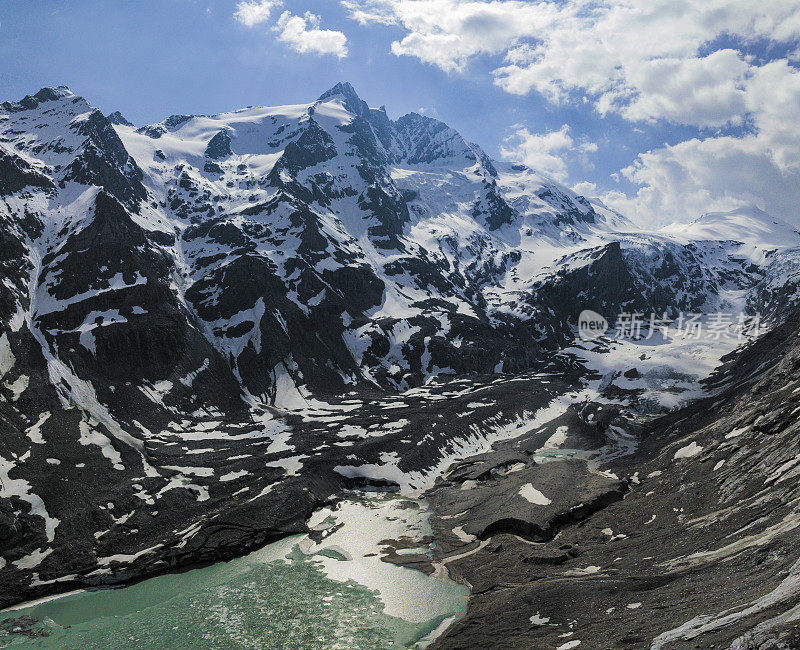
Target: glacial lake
{"x": 295, "y": 593}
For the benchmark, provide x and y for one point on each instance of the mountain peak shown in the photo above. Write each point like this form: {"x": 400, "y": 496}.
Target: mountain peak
{"x": 746, "y": 224}
{"x": 749, "y": 212}
{"x": 751, "y": 216}
{"x": 46, "y": 94}
{"x": 50, "y": 93}
{"x": 118, "y": 118}
{"x": 352, "y": 101}
{"x": 344, "y": 88}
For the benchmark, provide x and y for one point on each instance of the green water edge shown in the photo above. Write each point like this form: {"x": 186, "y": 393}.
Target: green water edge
{"x": 275, "y": 597}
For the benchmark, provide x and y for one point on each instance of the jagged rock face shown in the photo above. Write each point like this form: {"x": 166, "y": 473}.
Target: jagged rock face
{"x": 30, "y": 102}
{"x": 776, "y": 295}
{"x": 219, "y": 146}
{"x": 350, "y": 99}
{"x": 16, "y": 174}
{"x": 127, "y": 323}
{"x": 118, "y": 118}
{"x": 104, "y": 161}
{"x": 426, "y": 140}
{"x": 650, "y": 279}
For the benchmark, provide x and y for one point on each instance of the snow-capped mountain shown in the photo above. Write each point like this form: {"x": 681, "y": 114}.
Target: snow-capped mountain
{"x": 175, "y": 295}
{"x": 363, "y": 250}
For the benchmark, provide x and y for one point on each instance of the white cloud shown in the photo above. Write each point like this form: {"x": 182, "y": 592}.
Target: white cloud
{"x": 643, "y": 60}
{"x": 585, "y": 188}
{"x": 447, "y": 33}
{"x": 540, "y": 151}
{"x": 255, "y": 12}
{"x": 679, "y": 182}
{"x": 640, "y": 59}
{"x": 371, "y": 11}
{"x": 303, "y": 34}
{"x": 548, "y": 152}
{"x": 709, "y": 89}
{"x": 723, "y": 172}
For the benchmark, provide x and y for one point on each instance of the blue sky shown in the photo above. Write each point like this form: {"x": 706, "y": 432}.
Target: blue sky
{"x": 659, "y": 109}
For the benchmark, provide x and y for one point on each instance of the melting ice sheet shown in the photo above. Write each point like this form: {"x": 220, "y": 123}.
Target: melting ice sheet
{"x": 669, "y": 369}
{"x": 295, "y": 593}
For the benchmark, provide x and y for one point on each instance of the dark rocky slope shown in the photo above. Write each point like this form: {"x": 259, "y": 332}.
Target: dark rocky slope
{"x": 699, "y": 552}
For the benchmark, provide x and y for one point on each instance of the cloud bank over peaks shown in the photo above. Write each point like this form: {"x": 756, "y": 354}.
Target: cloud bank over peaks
{"x": 704, "y": 64}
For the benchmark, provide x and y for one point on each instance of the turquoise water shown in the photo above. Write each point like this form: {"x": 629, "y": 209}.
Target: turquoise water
{"x": 276, "y": 597}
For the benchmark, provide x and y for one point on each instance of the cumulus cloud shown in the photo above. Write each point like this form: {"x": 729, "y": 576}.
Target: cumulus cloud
{"x": 541, "y": 151}
{"x": 641, "y": 59}
{"x": 447, "y": 33}
{"x": 585, "y": 188}
{"x": 722, "y": 172}
{"x": 709, "y": 90}
{"x": 303, "y": 34}
{"x": 548, "y": 152}
{"x": 255, "y": 12}
{"x": 679, "y": 182}
{"x": 648, "y": 62}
